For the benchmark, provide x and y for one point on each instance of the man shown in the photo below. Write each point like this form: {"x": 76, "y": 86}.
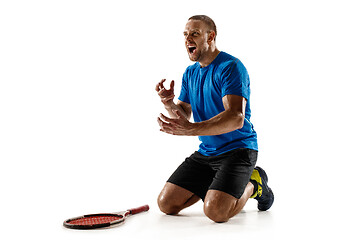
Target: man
{"x": 216, "y": 90}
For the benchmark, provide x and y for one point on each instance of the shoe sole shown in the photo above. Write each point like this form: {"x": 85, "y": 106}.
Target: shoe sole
{"x": 264, "y": 176}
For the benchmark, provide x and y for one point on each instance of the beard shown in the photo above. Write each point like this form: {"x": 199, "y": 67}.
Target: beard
{"x": 195, "y": 56}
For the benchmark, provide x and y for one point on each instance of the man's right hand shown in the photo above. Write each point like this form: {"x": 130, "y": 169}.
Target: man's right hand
{"x": 166, "y": 95}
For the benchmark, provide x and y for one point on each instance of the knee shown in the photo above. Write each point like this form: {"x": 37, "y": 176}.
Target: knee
{"x": 166, "y": 206}
{"x": 215, "y": 211}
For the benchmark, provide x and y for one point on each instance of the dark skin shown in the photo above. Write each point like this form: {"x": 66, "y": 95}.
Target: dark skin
{"x": 218, "y": 206}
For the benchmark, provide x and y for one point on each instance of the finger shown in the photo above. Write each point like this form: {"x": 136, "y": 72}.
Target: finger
{"x": 165, "y": 127}
{"x": 161, "y": 91}
{"x": 172, "y": 84}
{"x": 163, "y": 124}
{"x": 160, "y": 122}
{"x": 167, "y": 131}
{"x": 165, "y": 118}
{"x": 160, "y": 85}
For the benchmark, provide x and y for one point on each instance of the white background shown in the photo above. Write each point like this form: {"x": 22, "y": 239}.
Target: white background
{"x": 78, "y": 109}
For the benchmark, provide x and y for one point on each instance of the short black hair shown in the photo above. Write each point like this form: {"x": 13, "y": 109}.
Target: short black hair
{"x": 207, "y": 20}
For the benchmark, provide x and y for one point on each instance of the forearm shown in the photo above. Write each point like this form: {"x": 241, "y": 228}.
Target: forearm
{"x": 172, "y": 107}
{"x": 232, "y": 118}
{"x": 224, "y": 122}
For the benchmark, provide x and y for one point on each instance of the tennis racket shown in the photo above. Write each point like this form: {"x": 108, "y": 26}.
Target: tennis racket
{"x": 102, "y": 220}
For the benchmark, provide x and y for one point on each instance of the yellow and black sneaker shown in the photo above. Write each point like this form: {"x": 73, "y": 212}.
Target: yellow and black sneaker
{"x": 262, "y": 193}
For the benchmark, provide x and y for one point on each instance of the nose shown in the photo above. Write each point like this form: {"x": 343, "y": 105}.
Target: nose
{"x": 188, "y": 38}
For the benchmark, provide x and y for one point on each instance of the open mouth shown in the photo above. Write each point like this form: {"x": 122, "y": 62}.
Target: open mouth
{"x": 191, "y": 49}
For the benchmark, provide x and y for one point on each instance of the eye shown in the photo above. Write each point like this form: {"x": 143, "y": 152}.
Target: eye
{"x": 195, "y": 34}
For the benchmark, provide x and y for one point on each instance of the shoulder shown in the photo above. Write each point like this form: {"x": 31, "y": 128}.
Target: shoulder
{"x": 228, "y": 61}
{"x": 229, "y": 66}
{"x": 190, "y": 69}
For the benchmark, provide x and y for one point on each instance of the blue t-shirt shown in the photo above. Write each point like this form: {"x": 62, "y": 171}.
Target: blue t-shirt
{"x": 204, "y": 89}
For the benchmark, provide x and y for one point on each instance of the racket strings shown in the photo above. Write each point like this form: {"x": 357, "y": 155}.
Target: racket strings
{"x": 94, "y": 220}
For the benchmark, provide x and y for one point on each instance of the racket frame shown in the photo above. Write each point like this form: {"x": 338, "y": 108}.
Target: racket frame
{"x": 122, "y": 216}
{"x": 121, "y": 219}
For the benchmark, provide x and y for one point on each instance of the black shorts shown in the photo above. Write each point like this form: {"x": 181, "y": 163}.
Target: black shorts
{"x": 229, "y": 172}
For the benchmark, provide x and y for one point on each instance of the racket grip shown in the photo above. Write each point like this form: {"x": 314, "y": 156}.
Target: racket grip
{"x": 139, "y": 209}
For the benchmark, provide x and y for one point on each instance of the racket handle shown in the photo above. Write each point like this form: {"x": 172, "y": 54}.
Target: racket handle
{"x": 139, "y": 209}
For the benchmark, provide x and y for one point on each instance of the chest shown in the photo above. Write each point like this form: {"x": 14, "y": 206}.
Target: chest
{"x": 205, "y": 84}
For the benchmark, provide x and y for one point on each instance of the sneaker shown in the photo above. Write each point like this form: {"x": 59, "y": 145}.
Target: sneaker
{"x": 263, "y": 193}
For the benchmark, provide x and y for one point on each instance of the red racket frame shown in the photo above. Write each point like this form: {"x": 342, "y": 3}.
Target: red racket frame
{"x": 121, "y": 215}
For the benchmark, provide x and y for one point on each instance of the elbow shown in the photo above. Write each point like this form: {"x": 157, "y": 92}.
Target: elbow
{"x": 239, "y": 119}
{"x": 240, "y": 122}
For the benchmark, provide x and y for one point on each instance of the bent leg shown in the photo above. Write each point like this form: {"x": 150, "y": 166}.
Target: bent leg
{"x": 173, "y": 199}
{"x": 220, "y": 206}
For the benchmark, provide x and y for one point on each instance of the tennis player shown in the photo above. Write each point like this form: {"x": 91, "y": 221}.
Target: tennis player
{"x": 216, "y": 90}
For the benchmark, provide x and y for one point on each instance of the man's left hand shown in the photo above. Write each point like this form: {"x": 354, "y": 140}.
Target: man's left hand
{"x": 176, "y": 126}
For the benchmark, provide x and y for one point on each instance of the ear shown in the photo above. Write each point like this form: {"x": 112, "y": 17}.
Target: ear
{"x": 211, "y": 36}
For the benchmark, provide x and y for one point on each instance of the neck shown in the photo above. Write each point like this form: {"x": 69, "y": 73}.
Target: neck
{"x": 210, "y": 56}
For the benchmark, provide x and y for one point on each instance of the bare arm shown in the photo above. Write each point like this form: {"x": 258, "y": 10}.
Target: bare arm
{"x": 167, "y": 98}
{"x": 230, "y": 119}
{"x": 182, "y": 107}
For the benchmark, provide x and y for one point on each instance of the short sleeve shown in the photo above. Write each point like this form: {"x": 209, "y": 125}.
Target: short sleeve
{"x": 235, "y": 80}
{"x": 184, "y": 93}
